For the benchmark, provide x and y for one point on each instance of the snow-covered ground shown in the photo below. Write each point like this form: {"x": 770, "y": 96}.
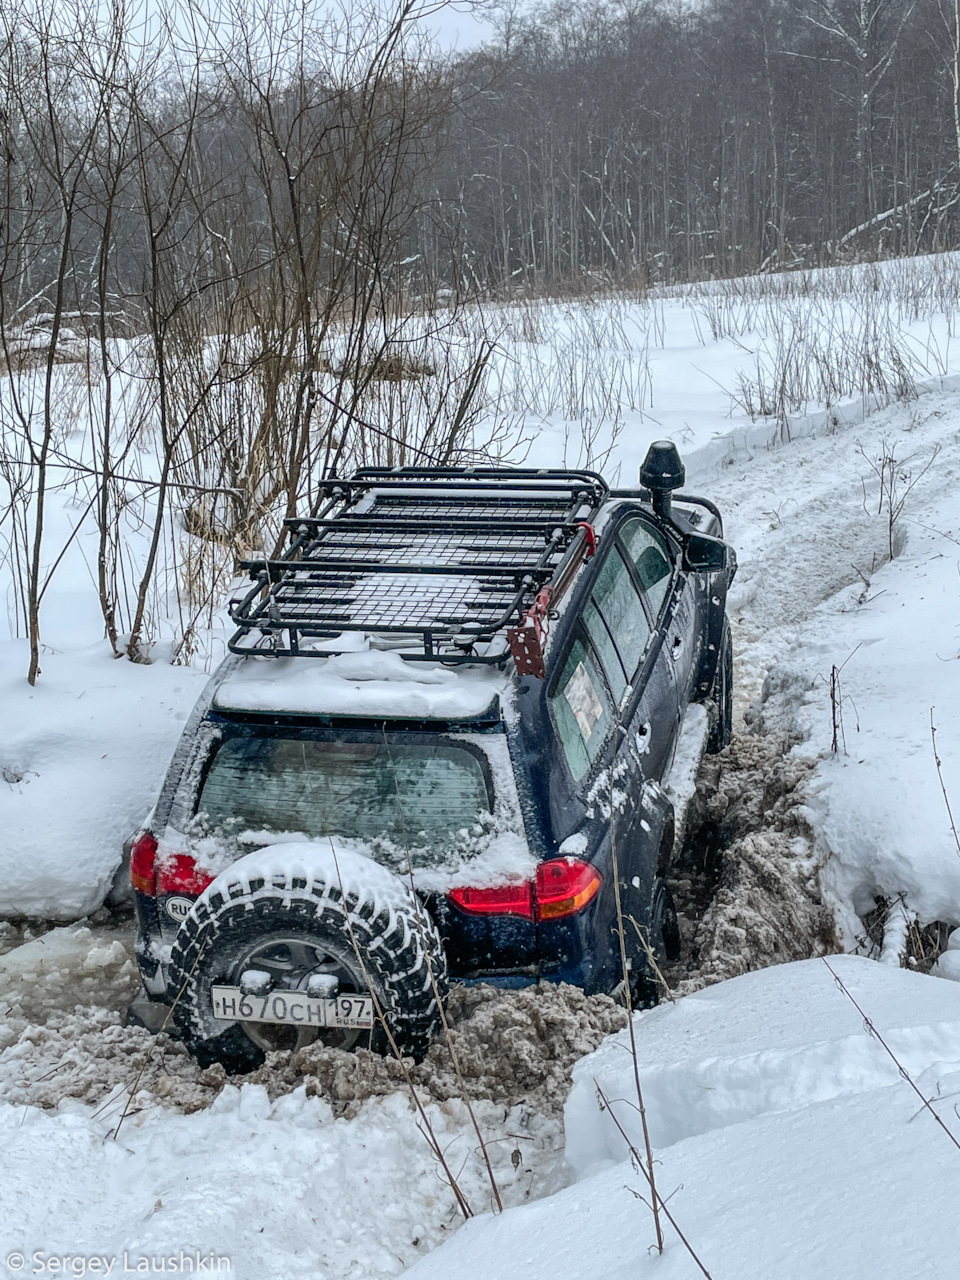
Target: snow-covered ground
{"x": 817, "y": 592}
{"x": 799, "y": 1148}
{"x": 81, "y": 758}
{"x": 787, "y": 1144}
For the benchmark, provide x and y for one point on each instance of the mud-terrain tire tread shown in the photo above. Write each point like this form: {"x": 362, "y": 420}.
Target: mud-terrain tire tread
{"x": 721, "y": 693}
{"x": 398, "y": 942}
{"x": 665, "y": 910}
{"x": 665, "y": 942}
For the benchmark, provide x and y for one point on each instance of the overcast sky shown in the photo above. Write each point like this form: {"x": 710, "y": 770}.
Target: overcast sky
{"x": 460, "y": 26}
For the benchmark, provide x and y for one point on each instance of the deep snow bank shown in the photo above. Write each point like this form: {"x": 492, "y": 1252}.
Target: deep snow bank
{"x": 280, "y": 1188}
{"x": 773, "y": 1041}
{"x": 784, "y": 1136}
{"x": 82, "y": 756}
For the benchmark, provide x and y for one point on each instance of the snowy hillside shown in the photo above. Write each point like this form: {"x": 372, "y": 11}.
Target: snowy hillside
{"x": 799, "y": 1148}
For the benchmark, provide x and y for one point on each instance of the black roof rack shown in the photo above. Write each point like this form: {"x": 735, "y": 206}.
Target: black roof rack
{"x": 436, "y": 560}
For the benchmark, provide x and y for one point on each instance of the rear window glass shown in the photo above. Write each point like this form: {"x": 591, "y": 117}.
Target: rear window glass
{"x": 649, "y": 553}
{"x": 417, "y": 795}
{"x": 581, "y": 709}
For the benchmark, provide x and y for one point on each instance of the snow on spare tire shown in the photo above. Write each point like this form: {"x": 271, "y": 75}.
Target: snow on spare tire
{"x": 342, "y": 905}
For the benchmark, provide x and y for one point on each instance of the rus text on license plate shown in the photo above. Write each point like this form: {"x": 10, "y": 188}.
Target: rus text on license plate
{"x": 295, "y": 1008}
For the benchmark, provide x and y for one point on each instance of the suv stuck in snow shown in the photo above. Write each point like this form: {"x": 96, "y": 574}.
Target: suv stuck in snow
{"x": 440, "y": 747}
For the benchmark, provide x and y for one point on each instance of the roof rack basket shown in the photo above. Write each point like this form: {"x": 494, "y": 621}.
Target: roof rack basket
{"x": 434, "y": 562}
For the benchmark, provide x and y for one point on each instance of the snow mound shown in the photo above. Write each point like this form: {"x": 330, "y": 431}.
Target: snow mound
{"x": 785, "y": 1141}
{"x": 773, "y": 1041}
{"x": 82, "y": 757}
{"x": 279, "y": 1189}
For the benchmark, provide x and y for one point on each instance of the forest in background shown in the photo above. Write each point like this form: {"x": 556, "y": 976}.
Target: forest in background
{"x": 643, "y": 141}
{"x": 672, "y": 142}
{"x": 242, "y": 249}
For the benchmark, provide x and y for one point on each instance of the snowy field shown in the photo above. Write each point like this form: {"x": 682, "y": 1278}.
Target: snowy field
{"x": 798, "y": 1148}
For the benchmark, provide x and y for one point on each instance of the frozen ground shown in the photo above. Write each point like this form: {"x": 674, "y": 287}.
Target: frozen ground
{"x": 317, "y": 1167}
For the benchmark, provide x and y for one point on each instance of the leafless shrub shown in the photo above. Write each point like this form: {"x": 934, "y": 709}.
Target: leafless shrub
{"x": 896, "y": 479}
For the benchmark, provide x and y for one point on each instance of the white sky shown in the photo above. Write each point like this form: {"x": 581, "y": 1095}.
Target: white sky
{"x": 461, "y": 25}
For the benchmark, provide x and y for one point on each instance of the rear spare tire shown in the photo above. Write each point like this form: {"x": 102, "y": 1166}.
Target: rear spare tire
{"x": 293, "y": 912}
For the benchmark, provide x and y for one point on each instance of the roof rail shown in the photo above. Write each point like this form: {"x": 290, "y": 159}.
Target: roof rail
{"x": 433, "y": 561}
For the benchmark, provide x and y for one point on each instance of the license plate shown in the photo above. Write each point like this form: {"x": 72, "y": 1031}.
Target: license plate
{"x": 293, "y": 1008}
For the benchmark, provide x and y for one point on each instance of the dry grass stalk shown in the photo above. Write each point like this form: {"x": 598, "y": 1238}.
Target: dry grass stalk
{"x": 655, "y": 1202}
{"x": 427, "y": 1128}
{"x": 638, "y": 1164}
{"x": 904, "y": 1073}
{"x": 943, "y": 785}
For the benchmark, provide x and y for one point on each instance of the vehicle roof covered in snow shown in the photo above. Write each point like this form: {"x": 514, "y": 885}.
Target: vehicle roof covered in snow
{"x": 365, "y": 684}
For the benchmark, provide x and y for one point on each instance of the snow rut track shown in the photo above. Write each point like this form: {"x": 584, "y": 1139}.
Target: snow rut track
{"x": 515, "y": 1048}
{"x": 747, "y": 882}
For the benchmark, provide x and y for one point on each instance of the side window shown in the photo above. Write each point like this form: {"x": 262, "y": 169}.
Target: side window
{"x": 581, "y": 709}
{"x": 603, "y": 643}
{"x": 616, "y": 600}
{"x": 649, "y": 552}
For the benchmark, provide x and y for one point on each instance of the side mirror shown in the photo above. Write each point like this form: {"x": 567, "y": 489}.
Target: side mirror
{"x": 703, "y": 554}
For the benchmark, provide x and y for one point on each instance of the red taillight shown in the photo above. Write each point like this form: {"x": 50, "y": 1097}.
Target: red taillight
{"x": 563, "y": 887}
{"x": 508, "y": 900}
{"x": 143, "y": 855}
{"x": 179, "y": 873}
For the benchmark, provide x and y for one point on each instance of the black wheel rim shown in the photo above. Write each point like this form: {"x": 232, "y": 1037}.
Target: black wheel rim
{"x": 291, "y": 961}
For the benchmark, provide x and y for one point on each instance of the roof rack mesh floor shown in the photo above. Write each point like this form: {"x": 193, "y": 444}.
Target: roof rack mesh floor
{"x": 436, "y": 561}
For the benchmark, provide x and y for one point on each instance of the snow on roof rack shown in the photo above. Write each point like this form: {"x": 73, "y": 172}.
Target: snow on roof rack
{"x": 435, "y": 560}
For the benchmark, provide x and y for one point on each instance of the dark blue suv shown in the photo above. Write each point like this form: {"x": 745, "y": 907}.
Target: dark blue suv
{"x": 446, "y": 746}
